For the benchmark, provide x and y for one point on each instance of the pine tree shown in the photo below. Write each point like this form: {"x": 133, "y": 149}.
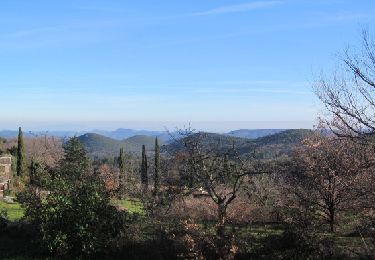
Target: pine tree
{"x": 21, "y": 158}
{"x": 157, "y": 167}
{"x": 76, "y": 162}
{"x": 121, "y": 165}
{"x": 144, "y": 177}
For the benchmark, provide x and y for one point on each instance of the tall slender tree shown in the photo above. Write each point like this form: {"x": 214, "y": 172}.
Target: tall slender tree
{"x": 21, "y": 157}
{"x": 144, "y": 168}
{"x": 157, "y": 167}
{"x": 121, "y": 165}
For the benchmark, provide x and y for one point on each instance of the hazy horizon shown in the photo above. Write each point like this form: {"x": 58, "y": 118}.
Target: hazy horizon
{"x": 158, "y": 126}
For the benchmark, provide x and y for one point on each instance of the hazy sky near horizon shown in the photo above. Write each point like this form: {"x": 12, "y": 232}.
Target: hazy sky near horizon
{"x": 149, "y": 64}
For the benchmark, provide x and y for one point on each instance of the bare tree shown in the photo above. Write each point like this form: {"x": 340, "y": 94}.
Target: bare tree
{"x": 334, "y": 175}
{"x": 263, "y": 192}
{"x": 211, "y": 168}
{"x": 349, "y": 95}
{"x": 47, "y": 150}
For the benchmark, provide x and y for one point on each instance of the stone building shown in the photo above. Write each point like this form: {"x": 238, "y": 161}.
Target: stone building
{"x": 5, "y": 173}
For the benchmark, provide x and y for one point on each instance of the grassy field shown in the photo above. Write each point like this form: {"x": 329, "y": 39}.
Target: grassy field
{"x": 14, "y": 211}
{"x": 132, "y": 206}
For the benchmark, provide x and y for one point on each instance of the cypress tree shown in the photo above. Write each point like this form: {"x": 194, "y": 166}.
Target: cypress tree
{"x": 144, "y": 177}
{"x": 157, "y": 167}
{"x": 21, "y": 158}
{"x": 121, "y": 165}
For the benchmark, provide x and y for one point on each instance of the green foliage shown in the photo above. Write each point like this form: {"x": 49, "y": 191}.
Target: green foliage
{"x": 74, "y": 217}
{"x": 131, "y": 206}
{"x": 122, "y": 177}
{"x": 12, "y": 151}
{"x": 34, "y": 173}
{"x": 144, "y": 168}
{"x": 21, "y": 157}
{"x": 121, "y": 161}
{"x": 76, "y": 164}
{"x": 3, "y": 219}
{"x": 157, "y": 167}
{"x": 81, "y": 221}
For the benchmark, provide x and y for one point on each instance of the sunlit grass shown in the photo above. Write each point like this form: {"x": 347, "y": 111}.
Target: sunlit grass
{"x": 129, "y": 205}
{"x": 14, "y": 210}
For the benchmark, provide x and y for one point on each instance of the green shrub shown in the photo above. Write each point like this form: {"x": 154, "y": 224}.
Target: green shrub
{"x": 73, "y": 214}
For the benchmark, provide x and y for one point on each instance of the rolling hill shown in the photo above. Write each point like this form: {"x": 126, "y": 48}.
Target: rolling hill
{"x": 102, "y": 146}
{"x": 123, "y": 133}
{"x": 291, "y": 136}
{"x": 271, "y": 146}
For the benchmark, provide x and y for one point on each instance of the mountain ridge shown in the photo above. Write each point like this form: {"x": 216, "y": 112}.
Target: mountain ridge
{"x": 101, "y": 146}
{"x": 124, "y": 133}
{"x": 266, "y": 147}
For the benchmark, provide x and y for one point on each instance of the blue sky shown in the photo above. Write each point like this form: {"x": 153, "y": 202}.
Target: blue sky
{"x": 218, "y": 64}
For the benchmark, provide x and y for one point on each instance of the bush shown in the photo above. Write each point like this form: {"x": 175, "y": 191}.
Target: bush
{"x": 3, "y": 219}
{"x": 72, "y": 212}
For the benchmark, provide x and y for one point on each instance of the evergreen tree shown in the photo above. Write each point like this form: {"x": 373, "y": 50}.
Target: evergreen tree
{"x": 121, "y": 165}
{"x": 21, "y": 157}
{"x": 38, "y": 176}
{"x": 76, "y": 163}
{"x": 144, "y": 177}
{"x": 157, "y": 167}
{"x": 75, "y": 219}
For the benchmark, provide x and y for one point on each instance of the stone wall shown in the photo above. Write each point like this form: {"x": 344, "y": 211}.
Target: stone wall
{"x": 5, "y": 173}
{"x": 5, "y": 166}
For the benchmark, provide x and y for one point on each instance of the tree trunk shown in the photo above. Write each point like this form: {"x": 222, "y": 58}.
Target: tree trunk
{"x": 221, "y": 247}
{"x": 332, "y": 219}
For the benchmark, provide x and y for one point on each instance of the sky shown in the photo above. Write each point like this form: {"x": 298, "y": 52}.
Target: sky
{"x": 217, "y": 64}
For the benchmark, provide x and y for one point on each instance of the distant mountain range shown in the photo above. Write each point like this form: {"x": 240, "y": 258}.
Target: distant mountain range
{"x": 8, "y": 134}
{"x": 267, "y": 143}
{"x": 270, "y": 146}
{"x": 122, "y": 133}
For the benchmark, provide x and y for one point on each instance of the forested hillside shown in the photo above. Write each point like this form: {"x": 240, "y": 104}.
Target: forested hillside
{"x": 272, "y": 146}
{"x": 102, "y": 146}
{"x": 253, "y": 133}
